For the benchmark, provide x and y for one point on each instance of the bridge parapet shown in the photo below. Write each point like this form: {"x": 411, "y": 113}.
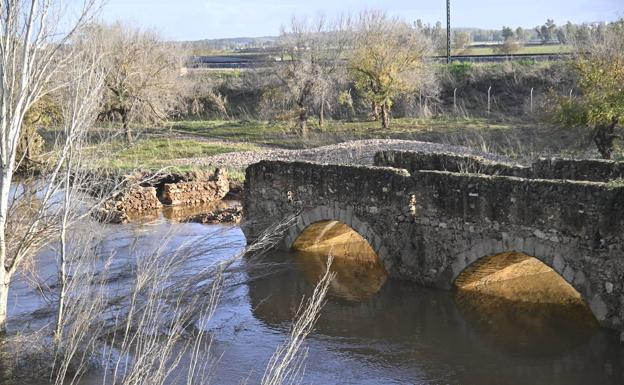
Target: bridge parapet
{"x": 442, "y": 161}
{"x": 594, "y": 170}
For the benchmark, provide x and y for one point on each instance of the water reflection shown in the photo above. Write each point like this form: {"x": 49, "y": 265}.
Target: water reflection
{"x": 517, "y": 327}
{"x": 426, "y": 336}
{"x": 177, "y": 214}
{"x": 518, "y": 302}
{"x": 352, "y": 281}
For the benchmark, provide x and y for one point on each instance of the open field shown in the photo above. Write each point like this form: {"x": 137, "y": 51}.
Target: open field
{"x": 511, "y": 137}
{"x": 529, "y": 49}
{"x": 187, "y": 145}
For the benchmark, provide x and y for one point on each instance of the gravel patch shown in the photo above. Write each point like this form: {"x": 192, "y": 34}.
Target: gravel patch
{"x": 357, "y": 152}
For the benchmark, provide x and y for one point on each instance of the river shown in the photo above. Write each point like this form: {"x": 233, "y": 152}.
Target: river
{"x": 374, "y": 330}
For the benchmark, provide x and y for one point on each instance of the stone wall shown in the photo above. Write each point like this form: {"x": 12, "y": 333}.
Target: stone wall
{"x": 574, "y": 227}
{"x": 429, "y": 226}
{"x": 594, "y": 170}
{"x": 200, "y": 190}
{"x": 133, "y": 200}
{"x": 143, "y": 192}
{"x": 441, "y": 161}
{"x": 368, "y": 199}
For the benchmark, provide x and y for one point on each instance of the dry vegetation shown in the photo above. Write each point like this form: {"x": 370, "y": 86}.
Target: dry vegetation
{"x": 351, "y": 78}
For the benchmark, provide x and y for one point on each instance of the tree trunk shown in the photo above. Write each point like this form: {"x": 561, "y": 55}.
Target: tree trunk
{"x": 62, "y": 261}
{"x": 385, "y": 116}
{"x": 322, "y": 114}
{"x": 125, "y": 120}
{"x": 303, "y": 122}
{"x": 604, "y": 136}
{"x": 375, "y": 112}
{"x": 4, "y": 299}
{"x": 5, "y": 186}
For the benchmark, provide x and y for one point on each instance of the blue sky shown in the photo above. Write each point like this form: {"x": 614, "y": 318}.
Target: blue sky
{"x": 208, "y": 19}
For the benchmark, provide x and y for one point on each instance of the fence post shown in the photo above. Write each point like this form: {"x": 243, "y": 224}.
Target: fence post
{"x": 455, "y": 99}
{"x": 489, "y": 103}
{"x": 531, "y": 100}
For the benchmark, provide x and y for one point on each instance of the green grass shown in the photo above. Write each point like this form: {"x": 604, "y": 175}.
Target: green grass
{"x": 240, "y": 131}
{"x": 530, "y": 49}
{"x": 157, "y": 153}
{"x": 170, "y": 146}
{"x": 283, "y": 134}
{"x": 616, "y": 183}
{"x": 514, "y": 137}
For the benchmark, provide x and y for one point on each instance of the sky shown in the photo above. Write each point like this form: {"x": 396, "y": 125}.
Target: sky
{"x": 211, "y": 19}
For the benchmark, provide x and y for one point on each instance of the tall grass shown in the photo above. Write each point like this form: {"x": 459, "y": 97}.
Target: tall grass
{"x": 287, "y": 361}
{"x": 152, "y": 330}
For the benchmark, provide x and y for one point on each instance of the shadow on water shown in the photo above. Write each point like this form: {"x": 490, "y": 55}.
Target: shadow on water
{"x": 435, "y": 336}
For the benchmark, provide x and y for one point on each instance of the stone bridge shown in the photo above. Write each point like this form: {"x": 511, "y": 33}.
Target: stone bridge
{"x": 429, "y": 216}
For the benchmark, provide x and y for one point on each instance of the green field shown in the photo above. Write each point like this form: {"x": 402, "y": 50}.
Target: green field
{"x": 513, "y": 137}
{"x": 282, "y": 134}
{"x": 531, "y": 49}
{"x": 156, "y": 153}
{"x": 176, "y": 145}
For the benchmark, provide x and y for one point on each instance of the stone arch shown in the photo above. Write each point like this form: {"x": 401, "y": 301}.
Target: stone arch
{"x": 551, "y": 255}
{"x": 343, "y": 215}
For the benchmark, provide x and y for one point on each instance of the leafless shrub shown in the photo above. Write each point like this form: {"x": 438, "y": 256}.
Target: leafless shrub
{"x": 286, "y": 364}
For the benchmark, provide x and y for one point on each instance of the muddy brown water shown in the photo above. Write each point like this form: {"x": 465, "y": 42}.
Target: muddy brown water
{"x": 374, "y": 330}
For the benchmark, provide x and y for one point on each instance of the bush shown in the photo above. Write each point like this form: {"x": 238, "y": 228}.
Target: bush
{"x": 460, "y": 71}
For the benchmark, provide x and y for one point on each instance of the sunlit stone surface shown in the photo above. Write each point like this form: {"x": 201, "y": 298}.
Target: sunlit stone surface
{"x": 359, "y": 273}
{"x": 518, "y": 277}
{"x": 337, "y": 239}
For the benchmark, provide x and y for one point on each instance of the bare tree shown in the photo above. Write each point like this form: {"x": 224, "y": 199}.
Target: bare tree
{"x": 461, "y": 41}
{"x": 142, "y": 75}
{"x": 79, "y": 103}
{"x": 33, "y": 49}
{"x": 386, "y": 58}
{"x": 310, "y": 66}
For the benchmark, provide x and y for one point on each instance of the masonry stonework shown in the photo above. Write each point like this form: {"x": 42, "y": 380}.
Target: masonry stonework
{"x": 427, "y": 225}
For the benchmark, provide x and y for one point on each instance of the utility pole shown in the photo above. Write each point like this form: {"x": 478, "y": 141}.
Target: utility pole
{"x": 448, "y": 31}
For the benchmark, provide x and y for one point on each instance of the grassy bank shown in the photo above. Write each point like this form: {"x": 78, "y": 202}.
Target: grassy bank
{"x": 179, "y": 145}
{"x": 154, "y": 153}
{"x": 170, "y": 154}
{"x": 282, "y": 134}
{"x": 512, "y": 137}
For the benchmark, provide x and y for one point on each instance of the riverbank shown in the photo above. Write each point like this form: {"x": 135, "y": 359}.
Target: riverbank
{"x": 140, "y": 194}
{"x": 181, "y": 146}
